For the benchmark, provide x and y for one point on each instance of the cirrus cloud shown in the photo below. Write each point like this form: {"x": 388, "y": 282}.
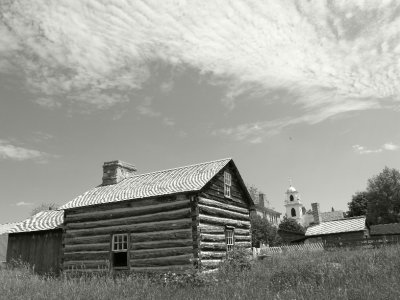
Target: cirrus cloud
{"x": 385, "y": 147}
{"x": 333, "y": 57}
{"x": 17, "y": 153}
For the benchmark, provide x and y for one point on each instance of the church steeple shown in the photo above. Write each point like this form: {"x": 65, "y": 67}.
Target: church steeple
{"x": 292, "y": 203}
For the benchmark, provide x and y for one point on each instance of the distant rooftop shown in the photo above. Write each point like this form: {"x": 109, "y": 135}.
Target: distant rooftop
{"x": 337, "y": 226}
{"x": 385, "y": 229}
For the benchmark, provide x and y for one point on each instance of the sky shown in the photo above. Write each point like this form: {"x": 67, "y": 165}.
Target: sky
{"x": 306, "y": 90}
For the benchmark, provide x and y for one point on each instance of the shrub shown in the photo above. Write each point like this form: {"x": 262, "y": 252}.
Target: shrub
{"x": 238, "y": 259}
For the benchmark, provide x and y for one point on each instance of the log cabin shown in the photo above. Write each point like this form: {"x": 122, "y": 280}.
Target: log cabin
{"x": 169, "y": 220}
{"x": 37, "y": 241}
{"x": 4, "y": 229}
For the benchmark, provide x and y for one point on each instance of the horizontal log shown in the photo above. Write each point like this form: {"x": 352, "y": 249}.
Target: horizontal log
{"x": 206, "y": 228}
{"x": 162, "y": 261}
{"x": 223, "y": 221}
{"x": 162, "y": 244}
{"x": 242, "y": 238}
{"x": 161, "y": 235}
{"x": 151, "y": 253}
{"x": 214, "y": 195}
{"x": 220, "y": 212}
{"x": 243, "y": 244}
{"x": 81, "y": 272}
{"x": 122, "y": 204}
{"x": 156, "y": 217}
{"x": 87, "y": 247}
{"x": 72, "y": 238}
{"x": 212, "y": 237}
{"x": 210, "y": 263}
{"x": 218, "y": 204}
{"x": 86, "y": 255}
{"x": 82, "y": 264}
{"x": 114, "y": 213}
{"x": 135, "y": 228}
{"x": 204, "y": 246}
{"x": 175, "y": 268}
{"x": 235, "y": 191}
{"x": 213, "y": 254}
{"x": 210, "y": 229}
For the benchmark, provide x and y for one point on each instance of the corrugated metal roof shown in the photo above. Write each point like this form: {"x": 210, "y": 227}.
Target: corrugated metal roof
{"x": 383, "y": 229}
{"x": 178, "y": 180}
{"x": 5, "y": 228}
{"x": 44, "y": 220}
{"x": 338, "y": 226}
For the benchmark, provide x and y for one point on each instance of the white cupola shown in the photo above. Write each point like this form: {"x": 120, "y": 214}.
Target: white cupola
{"x": 293, "y": 204}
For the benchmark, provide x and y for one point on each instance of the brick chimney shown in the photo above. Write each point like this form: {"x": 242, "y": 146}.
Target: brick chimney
{"x": 261, "y": 200}
{"x": 316, "y": 213}
{"x": 116, "y": 170}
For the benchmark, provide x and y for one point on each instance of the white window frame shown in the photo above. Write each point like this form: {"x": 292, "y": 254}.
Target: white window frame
{"x": 229, "y": 239}
{"x": 227, "y": 184}
{"x": 120, "y": 242}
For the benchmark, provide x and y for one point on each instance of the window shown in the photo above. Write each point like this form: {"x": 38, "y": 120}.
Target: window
{"x": 119, "y": 250}
{"x": 293, "y": 211}
{"x": 229, "y": 239}
{"x": 291, "y": 198}
{"x": 227, "y": 184}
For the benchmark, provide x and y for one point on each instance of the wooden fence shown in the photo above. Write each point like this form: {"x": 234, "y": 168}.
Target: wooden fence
{"x": 371, "y": 242}
{"x": 268, "y": 251}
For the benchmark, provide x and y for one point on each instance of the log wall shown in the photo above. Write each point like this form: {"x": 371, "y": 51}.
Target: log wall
{"x": 160, "y": 234}
{"x": 3, "y": 247}
{"x": 217, "y": 212}
{"x": 42, "y": 250}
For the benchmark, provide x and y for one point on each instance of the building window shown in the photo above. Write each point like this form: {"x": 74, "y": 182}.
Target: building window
{"x": 291, "y": 198}
{"x": 293, "y": 211}
{"x": 229, "y": 239}
{"x": 119, "y": 250}
{"x": 227, "y": 184}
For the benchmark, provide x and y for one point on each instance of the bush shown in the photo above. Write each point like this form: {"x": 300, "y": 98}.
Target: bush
{"x": 238, "y": 259}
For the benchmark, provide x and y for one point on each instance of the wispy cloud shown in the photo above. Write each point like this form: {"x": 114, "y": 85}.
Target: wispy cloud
{"x": 146, "y": 109}
{"x": 22, "y": 203}
{"x": 390, "y": 147}
{"x": 385, "y": 147}
{"x": 17, "y": 153}
{"x": 333, "y": 57}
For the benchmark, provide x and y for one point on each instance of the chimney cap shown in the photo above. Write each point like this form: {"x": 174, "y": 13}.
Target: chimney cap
{"x": 120, "y": 163}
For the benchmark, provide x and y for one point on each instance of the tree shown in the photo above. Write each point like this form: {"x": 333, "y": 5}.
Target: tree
{"x": 253, "y": 191}
{"x": 358, "y": 205}
{"x": 44, "y": 207}
{"x": 291, "y": 225}
{"x": 383, "y": 197}
{"x": 262, "y": 231}
{"x": 255, "y": 194}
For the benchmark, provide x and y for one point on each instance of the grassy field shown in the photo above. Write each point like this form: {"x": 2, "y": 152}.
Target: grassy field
{"x": 338, "y": 274}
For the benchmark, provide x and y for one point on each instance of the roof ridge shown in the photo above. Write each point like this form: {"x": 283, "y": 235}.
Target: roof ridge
{"x": 386, "y": 224}
{"x": 341, "y": 220}
{"x": 192, "y": 165}
{"x": 10, "y": 223}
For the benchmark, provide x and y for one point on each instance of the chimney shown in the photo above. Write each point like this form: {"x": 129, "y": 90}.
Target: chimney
{"x": 316, "y": 213}
{"x": 261, "y": 201}
{"x": 116, "y": 170}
